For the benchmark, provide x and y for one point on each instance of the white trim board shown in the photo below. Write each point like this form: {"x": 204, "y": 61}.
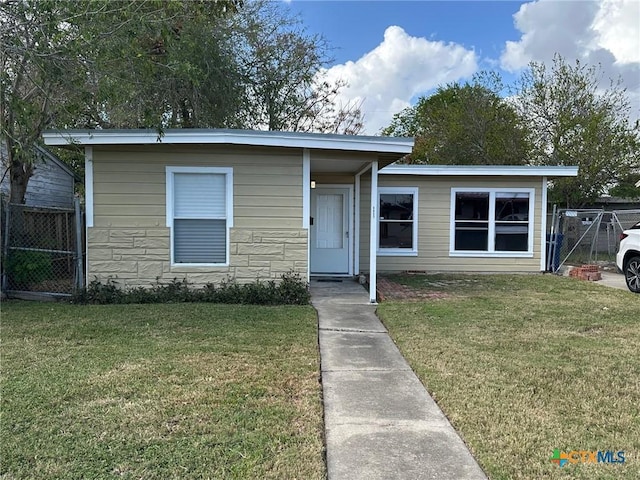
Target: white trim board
{"x": 491, "y": 252}
{"x": 359, "y": 143}
{"x": 88, "y": 186}
{"x": 306, "y": 187}
{"x": 169, "y": 185}
{"x": 480, "y": 170}
{"x": 373, "y": 235}
{"x": 543, "y": 226}
{"x": 401, "y": 252}
{"x": 350, "y": 225}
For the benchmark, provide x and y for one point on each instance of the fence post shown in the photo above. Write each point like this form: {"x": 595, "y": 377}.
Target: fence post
{"x": 550, "y": 248}
{"x": 79, "y": 259}
{"x": 594, "y": 240}
{"x": 5, "y": 246}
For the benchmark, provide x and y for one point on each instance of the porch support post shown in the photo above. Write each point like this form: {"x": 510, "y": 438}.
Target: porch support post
{"x": 356, "y": 230}
{"x": 373, "y": 233}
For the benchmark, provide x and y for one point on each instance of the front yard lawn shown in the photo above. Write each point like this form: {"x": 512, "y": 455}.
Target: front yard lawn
{"x": 526, "y": 364}
{"x": 160, "y": 392}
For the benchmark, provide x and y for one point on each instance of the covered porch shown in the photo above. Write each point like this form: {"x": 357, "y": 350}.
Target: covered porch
{"x": 333, "y": 207}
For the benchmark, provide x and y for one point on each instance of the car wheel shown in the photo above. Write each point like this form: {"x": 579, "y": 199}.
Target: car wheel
{"x": 632, "y": 274}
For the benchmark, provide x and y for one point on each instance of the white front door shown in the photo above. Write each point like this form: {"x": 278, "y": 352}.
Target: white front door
{"x": 329, "y": 240}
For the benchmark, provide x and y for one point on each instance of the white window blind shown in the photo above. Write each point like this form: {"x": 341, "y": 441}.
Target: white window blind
{"x": 199, "y": 215}
{"x": 199, "y": 241}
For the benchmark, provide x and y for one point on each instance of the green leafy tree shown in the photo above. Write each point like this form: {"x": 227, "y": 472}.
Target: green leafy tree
{"x": 574, "y": 121}
{"x": 35, "y": 68}
{"x": 626, "y": 187}
{"x": 158, "y": 64}
{"x": 103, "y": 64}
{"x": 464, "y": 124}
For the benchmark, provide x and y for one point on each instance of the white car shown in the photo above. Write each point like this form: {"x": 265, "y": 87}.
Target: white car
{"x": 628, "y": 257}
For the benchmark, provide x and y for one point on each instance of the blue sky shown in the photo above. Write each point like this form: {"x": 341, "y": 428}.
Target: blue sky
{"x": 392, "y": 52}
{"x": 356, "y": 27}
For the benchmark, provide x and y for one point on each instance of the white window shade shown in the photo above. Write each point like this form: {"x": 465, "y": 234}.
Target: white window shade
{"x": 199, "y": 195}
{"x": 511, "y": 195}
{"x": 199, "y": 214}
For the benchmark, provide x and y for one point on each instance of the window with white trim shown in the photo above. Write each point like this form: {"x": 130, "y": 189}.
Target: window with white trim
{"x": 398, "y": 221}
{"x": 199, "y": 214}
{"x": 492, "y": 221}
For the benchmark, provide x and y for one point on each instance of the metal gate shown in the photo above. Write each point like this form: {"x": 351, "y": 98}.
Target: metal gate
{"x": 573, "y": 238}
{"x": 586, "y": 236}
{"x": 43, "y": 250}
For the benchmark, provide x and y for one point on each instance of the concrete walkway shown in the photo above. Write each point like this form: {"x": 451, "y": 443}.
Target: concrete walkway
{"x": 380, "y": 422}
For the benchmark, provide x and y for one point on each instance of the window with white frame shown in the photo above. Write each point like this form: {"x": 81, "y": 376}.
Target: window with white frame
{"x": 199, "y": 214}
{"x": 398, "y": 221}
{"x": 492, "y": 221}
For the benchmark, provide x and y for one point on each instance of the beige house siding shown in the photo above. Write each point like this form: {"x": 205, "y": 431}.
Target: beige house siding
{"x": 434, "y": 198}
{"x": 333, "y": 178}
{"x": 130, "y": 242}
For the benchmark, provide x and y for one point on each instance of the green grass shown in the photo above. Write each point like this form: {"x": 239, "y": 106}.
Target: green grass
{"x": 522, "y": 365}
{"x": 160, "y": 392}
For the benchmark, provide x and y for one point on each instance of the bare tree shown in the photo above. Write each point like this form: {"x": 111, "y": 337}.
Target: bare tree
{"x": 285, "y": 81}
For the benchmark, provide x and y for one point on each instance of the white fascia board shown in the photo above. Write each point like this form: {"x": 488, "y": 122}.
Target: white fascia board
{"x": 481, "y": 170}
{"x": 234, "y": 137}
{"x": 88, "y": 187}
{"x": 306, "y": 189}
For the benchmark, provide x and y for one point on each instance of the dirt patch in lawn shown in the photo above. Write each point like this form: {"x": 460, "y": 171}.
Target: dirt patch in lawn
{"x": 387, "y": 289}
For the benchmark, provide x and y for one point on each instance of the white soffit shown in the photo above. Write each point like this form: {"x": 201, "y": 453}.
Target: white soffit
{"x": 481, "y": 170}
{"x": 360, "y": 143}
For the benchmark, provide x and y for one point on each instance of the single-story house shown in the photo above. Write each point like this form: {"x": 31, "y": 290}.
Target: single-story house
{"x": 209, "y": 204}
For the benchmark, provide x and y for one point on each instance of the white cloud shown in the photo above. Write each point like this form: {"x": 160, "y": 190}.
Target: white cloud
{"x": 618, "y": 26}
{"x": 605, "y": 32}
{"x": 402, "y": 66}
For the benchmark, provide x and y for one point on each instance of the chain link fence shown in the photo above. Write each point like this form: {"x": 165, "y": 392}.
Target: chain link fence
{"x": 580, "y": 237}
{"x": 620, "y": 220}
{"x": 572, "y": 238}
{"x": 43, "y": 250}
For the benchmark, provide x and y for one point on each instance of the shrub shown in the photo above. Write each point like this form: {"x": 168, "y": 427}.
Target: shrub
{"x": 100, "y": 293}
{"x": 26, "y": 267}
{"x": 291, "y": 290}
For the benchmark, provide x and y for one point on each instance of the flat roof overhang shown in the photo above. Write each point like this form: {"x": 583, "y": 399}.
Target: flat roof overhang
{"x": 363, "y": 149}
{"x": 481, "y": 170}
{"x": 357, "y": 143}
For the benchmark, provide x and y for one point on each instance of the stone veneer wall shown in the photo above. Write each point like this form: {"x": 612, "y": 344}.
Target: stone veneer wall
{"x": 140, "y": 256}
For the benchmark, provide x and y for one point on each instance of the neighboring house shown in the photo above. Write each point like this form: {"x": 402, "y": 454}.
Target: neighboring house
{"x": 616, "y": 203}
{"x": 52, "y": 182}
{"x": 209, "y": 204}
